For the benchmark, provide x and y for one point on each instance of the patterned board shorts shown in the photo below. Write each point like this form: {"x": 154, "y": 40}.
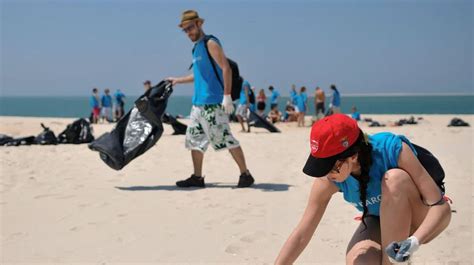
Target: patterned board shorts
{"x": 209, "y": 124}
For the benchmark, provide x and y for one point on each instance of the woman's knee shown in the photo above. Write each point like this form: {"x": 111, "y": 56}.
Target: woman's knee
{"x": 396, "y": 180}
{"x": 365, "y": 252}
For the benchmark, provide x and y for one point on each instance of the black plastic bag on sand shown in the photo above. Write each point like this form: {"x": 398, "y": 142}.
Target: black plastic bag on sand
{"x": 178, "y": 127}
{"x": 4, "y": 139}
{"x": 457, "y": 122}
{"x": 78, "y": 132}
{"x": 29, "y": 140}
{"x": 46, "y": 137}
{"x": 137, "y": 131}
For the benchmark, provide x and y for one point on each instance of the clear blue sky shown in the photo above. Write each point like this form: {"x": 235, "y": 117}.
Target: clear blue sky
{"x": 69, "y": 47}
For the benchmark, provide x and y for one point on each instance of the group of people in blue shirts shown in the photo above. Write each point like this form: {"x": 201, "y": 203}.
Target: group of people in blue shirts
{"x": 103, "y": 107}
{"x": 296, "y": 107}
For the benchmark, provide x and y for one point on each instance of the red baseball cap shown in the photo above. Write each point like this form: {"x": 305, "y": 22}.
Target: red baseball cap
{"x": 329, "y": 138}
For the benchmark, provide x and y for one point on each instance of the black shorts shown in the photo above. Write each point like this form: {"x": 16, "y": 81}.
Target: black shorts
{"x": 431, "y": 165}
{"x": 320, "y": 107}
{"x": 261, "y": 105}
{"x": 273, "y": 105}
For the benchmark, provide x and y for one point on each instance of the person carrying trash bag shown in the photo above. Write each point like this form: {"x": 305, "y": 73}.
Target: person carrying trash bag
{"x": 212, "y": 102}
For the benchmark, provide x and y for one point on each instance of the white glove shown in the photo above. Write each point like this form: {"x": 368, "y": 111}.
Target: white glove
{"x": 227, "y": 104}
{"x": 403, "y": 250}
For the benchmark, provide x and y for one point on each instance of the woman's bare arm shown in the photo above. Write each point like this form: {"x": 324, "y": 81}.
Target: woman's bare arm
{"x": 319, "y": 198}
{"x": 429, "y": 191}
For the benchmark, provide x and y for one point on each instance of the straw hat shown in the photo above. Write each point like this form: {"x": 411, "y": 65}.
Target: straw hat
{"x": 188, "y": 16}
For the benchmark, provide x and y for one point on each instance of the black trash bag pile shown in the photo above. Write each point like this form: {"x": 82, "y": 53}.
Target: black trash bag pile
{"x": 137, "y": 131}
{"x": 78, "y": 132}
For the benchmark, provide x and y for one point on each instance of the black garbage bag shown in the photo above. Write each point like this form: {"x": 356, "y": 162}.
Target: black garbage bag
{"x": 256, "y": 120}
{"x": 457, "y": 122}
{"x": 137, "y": 131}
{"x": 178, "y": 127}
{"x": 4, "y": 139}
{"x": 46, "y": 137}
{"x": 28, "y": 140}
{"x": 78, "y": 132}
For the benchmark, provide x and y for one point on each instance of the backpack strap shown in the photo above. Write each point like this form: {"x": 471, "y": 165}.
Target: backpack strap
{"x": 206, "y": 40}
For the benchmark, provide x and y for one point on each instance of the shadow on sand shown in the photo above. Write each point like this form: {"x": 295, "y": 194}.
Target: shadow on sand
{"x": 265, "y": 187}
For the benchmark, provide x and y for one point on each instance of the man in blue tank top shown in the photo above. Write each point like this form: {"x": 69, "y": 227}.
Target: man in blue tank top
{"x": 212, "y": 103}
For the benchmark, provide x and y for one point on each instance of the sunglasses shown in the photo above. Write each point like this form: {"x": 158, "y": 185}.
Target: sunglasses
{"x": 189, "y": 28}
{"x": 338, "y": 165}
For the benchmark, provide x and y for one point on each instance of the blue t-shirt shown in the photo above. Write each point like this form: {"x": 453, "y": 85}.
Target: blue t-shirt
{"x": 336, "y": 98}
{"x": 274, "y": 97}
{"x": 207, "y": 88}
{"x": 119, "y": 95}
{"x": 356, "y": 116}
{"x": 106, "y": 101}
{"x": 301, "y": 101}
{"x": 243, "y": 97}
{"x": 252, "y": 107}
{"x": 293, "y": 97}
{"x": 386, "y": 148}
{"x": 94, "y": 102}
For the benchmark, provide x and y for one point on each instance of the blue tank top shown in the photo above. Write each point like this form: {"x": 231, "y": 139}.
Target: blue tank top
{"x": 386, "y": 149}
{"x": 207, "y": 88}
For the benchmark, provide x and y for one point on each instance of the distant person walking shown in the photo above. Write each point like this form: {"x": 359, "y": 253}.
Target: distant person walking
{"x": 261, "y": 99}
{"x": 106, "y": 102}
{"x": 120, "y": 104}
{"x": 335, "y": 106}
{"x": 273, "y": 97}
{"x": 95, "y": 105}
{"x": 212, "y": 102}
{"x": 319, "y": 101}
{"x": 242, "y": 111}
{"x": 302, "y": 103}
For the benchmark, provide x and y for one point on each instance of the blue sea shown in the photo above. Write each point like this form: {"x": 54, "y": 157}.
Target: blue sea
{"x": 79, "y": 106}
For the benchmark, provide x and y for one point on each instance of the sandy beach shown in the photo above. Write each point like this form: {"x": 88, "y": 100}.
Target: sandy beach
{"x": 62, "y": 205}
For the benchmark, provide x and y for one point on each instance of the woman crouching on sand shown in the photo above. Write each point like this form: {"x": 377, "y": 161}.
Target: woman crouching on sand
{"x": 381, "y": 175}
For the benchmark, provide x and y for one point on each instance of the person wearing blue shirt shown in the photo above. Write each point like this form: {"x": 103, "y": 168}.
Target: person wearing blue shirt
{"x": 293, "y": 95}
{"x": 335, "y": 106}
{"x": 403, "y": 206}
{"x": 355, "y": 114}
{"x": 302, "y": 105}
{"x": 212, "y": 102}
{"x": 273, "y": 97}
{"x": 242, "y": 112}
{"x": 95, "y": 105}
{"x": 106, "y": 102}
{"x": 120, "y": 102}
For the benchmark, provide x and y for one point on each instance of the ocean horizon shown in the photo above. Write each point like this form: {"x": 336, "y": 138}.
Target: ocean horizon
{"x": 78, "y": 106}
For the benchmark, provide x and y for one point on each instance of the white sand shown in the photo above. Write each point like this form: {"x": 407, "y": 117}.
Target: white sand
{"x": 62, "y": 204}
